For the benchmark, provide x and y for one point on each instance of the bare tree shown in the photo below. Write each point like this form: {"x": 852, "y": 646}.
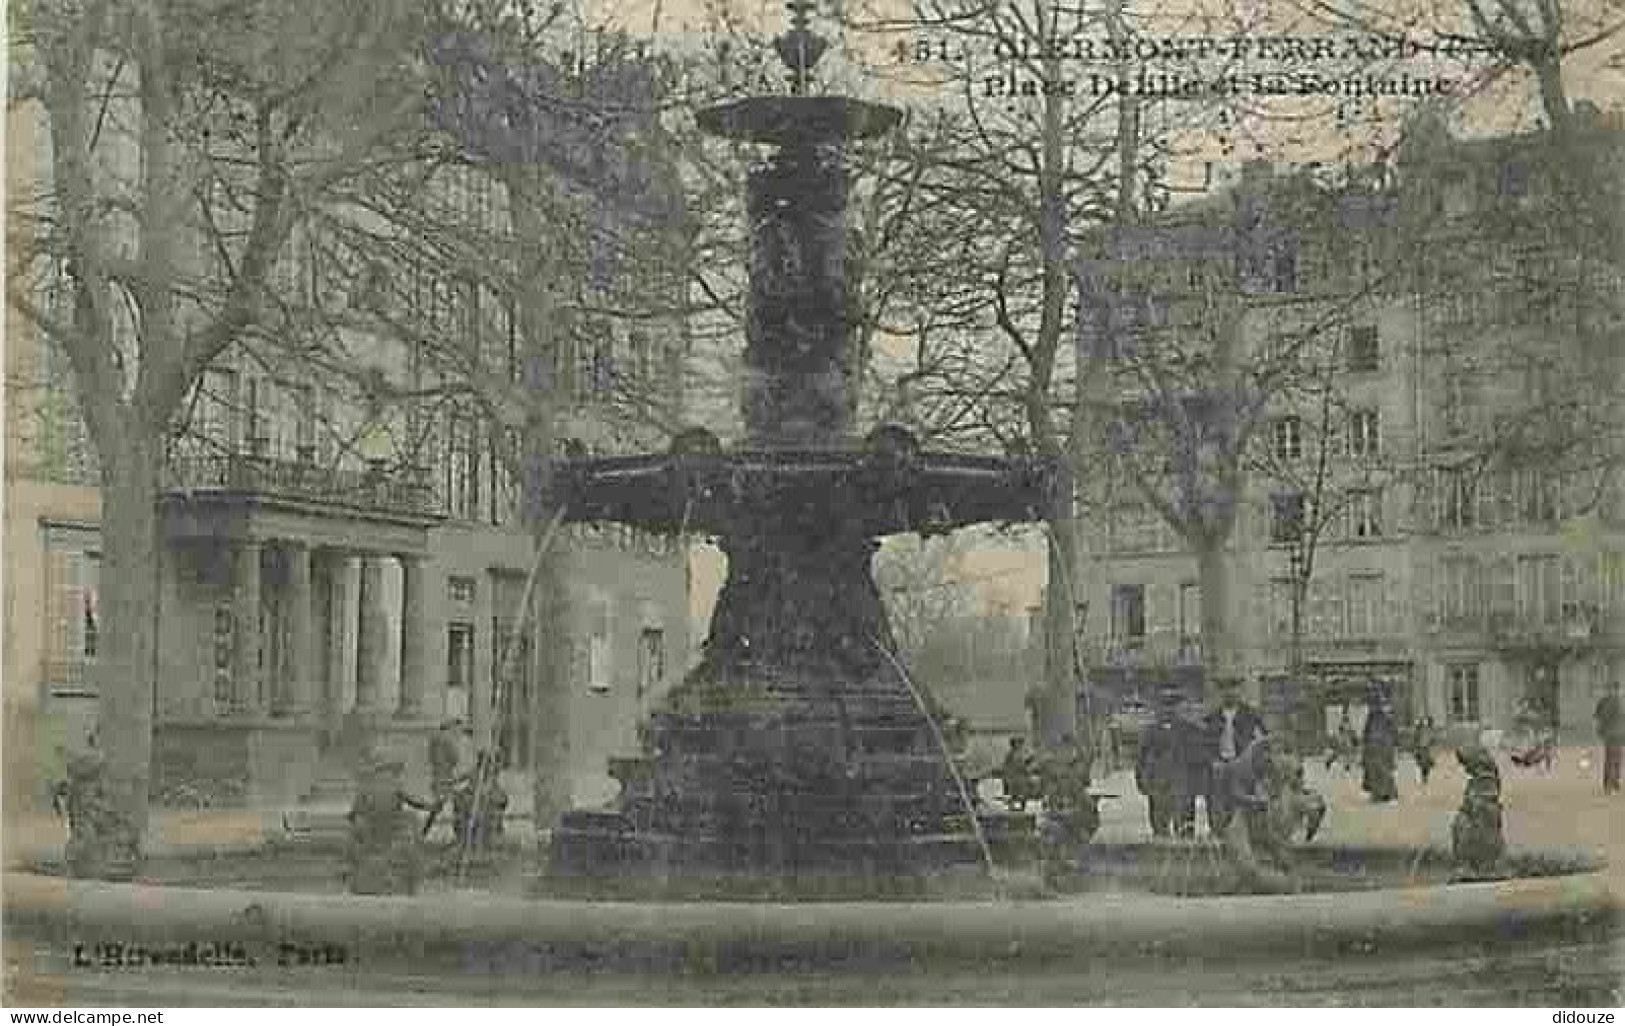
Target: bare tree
{"x": 187, "y": 143}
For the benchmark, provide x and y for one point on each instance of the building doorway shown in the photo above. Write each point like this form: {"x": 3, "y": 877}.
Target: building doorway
{"x": 459, "y": 669}
{"x": 512, "y": 694}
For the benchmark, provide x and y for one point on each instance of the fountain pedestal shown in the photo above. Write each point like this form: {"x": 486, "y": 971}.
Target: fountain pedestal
{"x": 797, "y": 746}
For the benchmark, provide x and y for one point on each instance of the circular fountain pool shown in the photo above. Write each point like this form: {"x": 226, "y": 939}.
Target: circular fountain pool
{"x": 1188, "y": 870}
{"x": 1372, "y": 926}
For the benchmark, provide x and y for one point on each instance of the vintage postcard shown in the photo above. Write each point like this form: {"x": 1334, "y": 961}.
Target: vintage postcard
{"x": 850, "y": 502}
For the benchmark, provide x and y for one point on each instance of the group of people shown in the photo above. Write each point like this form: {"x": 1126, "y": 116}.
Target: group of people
{"x": 1182, "y": 757}
{"x": 386, "y": 835}
{"x": 1376, "y": 748}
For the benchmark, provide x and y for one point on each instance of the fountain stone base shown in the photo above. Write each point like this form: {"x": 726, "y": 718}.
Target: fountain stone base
{"x": 796, "y": 748}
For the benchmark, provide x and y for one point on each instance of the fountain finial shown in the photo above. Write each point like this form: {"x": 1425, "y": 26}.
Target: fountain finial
{"x": 800, "y": 47}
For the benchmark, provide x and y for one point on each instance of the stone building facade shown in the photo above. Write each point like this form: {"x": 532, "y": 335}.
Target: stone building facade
{"x": 1482, "y": 581}
{"x": 336, "y": 574}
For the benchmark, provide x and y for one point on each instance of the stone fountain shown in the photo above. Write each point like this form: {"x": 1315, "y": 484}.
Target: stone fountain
{"x": 797, "y": 745}
{"x": 798, "y": 749}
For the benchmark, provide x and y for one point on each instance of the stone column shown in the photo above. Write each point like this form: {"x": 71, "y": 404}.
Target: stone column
{"x": 479, "y": 693}
{"x": 294, "y": 691}
{"x": 414, "y": 635}
{"x": 245, "y": 610}
{"x": 371, "y": 634}
{"x": 343, "y": 616}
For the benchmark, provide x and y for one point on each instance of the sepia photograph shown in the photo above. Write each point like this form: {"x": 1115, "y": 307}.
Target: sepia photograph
{"x": 769, "y": 503}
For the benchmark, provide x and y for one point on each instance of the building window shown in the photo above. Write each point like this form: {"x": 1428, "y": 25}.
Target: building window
{"x": 598, "y": 646}
{"x": 459, "y": 655}
{"x": 254, "y": 438}
{"x": 1365, "y": 434}
{"x": 1286, "y": 438}
{"x": 1190, "y": 612}
{"x": 1365, "y": 605}
{"x": 1462, "y": 680}
{"x": 1286, "y": 517}
{"x": 1513, "y": 178}
{"x": 643, "y": 356}
{"x": 223, "y": 645}
{"x": 304, "y": 432}
{"x": 1363, "y": 348}
{"x": 460, "y": 590}
{"x": 1458, "y": 509}
{"x": 1457, "y": 403}
{"x": 651, "y": 659}
{"x": 1536, "y": 495}
{"x": 1365, "y": 514}
{"x": 509, "y": 330}
{"x": 1461, "y": 599}
{"x": 507, "y": 457}
{"x": 1128, "y": 614}
{"x": 1284, "y": 268}
{"x": 217, "y": 409}
{"x": 72, "y": 616}
{"x": 465, "y": 299}
{"x": 1537, "y": 589}
{"x": 463, "y": 468}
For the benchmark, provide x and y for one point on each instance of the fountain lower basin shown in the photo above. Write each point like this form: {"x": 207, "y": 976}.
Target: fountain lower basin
{"x": 1552, "y": 934}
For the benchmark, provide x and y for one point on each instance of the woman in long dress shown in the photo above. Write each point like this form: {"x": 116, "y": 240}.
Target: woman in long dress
{"x": 1379, "y": 749}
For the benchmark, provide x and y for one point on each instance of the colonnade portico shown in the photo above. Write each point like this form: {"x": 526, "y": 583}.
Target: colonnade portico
{"x": 296, "y": 633}
{"x": 277, "y": 668}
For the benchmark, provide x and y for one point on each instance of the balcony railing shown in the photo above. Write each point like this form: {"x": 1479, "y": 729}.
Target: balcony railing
{"x": 1154, "y": 648}
{"x": 379, "y": 488}
{"x": 1576, "y": 627}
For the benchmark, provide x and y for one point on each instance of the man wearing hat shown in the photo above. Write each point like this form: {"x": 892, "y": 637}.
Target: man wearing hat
{"x": 1379, "y": 746}
{"x": 1169, "y": 750}
{"x": 1231, "y": 729}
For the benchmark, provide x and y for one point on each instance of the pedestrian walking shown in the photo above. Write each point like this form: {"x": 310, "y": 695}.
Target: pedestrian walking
{"x": 1379, "y": 748}
{"x": 1169, "y": 751}
{"x": 1611, "y": 732}
{"x": 1230, "y": 730}
{"x": 1345, "y": 743}
{"x": 1423, "y": 737}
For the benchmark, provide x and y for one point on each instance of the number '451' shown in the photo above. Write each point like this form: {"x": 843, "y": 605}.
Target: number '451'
{"x": 922, "y": 50}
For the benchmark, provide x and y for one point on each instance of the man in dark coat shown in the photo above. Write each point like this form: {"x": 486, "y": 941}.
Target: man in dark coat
{"x": 1422, "y": 740}
{"x": 1169, "y": 750}
{"x": 1379, "y": 749}
{"x": 1611, "y": 732}
{"x": 1230, "y": 730}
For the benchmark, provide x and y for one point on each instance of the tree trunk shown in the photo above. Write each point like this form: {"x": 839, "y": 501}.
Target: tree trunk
{"x": 127, "y": 645}
{"x": 552, "y": 646}
{"x": 1057, "y": 709}
{"x": 551, "y": 681}
{"x": 1218, "y": 647}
